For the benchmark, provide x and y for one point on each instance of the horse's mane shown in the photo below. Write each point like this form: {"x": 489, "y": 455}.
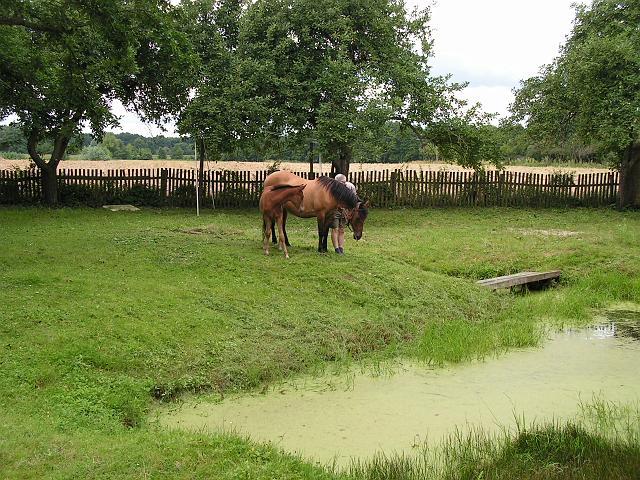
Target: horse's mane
{"x": 280, "y": 187}
{"x": 340, "y": 191}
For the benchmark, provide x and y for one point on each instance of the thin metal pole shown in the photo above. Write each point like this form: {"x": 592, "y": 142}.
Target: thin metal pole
{"x": 195, "y": 155}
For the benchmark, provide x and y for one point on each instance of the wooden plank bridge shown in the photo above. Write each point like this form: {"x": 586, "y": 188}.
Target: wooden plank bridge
{"x": 522, "y": 278}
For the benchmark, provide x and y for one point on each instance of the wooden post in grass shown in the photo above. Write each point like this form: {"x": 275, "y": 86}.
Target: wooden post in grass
{"x": 195, "y": 155}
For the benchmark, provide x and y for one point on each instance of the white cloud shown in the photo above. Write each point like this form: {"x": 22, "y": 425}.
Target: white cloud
{"x": 493, "y": 44}
{"x": 494, "y": 99}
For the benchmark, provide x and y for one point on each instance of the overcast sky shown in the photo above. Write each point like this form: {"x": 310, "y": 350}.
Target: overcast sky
{"x": 492, "y": 44}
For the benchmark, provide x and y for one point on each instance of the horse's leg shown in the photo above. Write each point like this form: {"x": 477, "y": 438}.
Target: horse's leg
{"x": 283, "y": 245}
{"x": 325, "y": 236}
{"x": 284, "y": 227}
{"x": 266, "y": 233}
{"x": 274, "y": 240}
{"x": 320, "y": 232}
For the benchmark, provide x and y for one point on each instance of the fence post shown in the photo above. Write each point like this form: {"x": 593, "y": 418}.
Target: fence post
{"x": 163, "y": 182}
{"x": 394, "y": 186}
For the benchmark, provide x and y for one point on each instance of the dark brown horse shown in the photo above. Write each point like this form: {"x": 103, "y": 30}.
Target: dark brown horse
{"x": 322, "y": 197}
{"x": 271, "y": 206}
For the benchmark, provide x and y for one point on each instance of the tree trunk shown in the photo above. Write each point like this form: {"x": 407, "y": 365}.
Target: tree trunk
{"x": 341, "y": 158}
{"x": 629, "y": 191}
{"x": 312, "y": 175}
{"x": 50, "y": 169}
{"x": 50, "y": 184}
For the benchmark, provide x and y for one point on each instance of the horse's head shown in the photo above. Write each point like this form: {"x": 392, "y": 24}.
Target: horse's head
{"x": 297, "y": 196}
{"x": 358, "y": 216}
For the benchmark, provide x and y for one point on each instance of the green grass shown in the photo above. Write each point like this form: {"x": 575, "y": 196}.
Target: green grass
{"x": 102, "y": 312}
{"x": 548, "y": 162}
{"x": 604, "y": 442}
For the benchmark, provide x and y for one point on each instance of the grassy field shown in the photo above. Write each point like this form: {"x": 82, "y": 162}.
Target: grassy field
{"x": 102, "y": 313}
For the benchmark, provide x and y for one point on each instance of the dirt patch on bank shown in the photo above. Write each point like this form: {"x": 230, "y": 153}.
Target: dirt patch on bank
{"x": 545, "y": 233}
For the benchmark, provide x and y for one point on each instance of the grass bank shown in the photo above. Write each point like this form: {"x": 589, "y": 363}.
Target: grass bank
{"x": 603, "y": 442}
{"x": 101, "y": 312}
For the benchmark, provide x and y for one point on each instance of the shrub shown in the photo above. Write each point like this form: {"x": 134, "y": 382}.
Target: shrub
{"x": 140, "y": 194}
{"x": 95, "y": 152}
{"x": 13, "y": 155}
{"x": 9, "y": 192}
{"x": 234, "y": 197}
{"x": 375, "y": 191}
{"x": 184, "y": 196}
{"x": 74, "y": 195}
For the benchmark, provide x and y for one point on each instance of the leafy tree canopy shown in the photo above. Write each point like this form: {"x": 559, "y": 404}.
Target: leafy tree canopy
{"x": 63, "y": 62}
{"x": 333, "y": 70}
{"x": 590, "y": 93}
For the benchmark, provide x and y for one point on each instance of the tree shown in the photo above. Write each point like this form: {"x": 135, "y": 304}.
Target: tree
{"x": 590, "y": 94}
{"x": 95, "y": 152}
{"x": 63, "y": 62}
{"x": 12, "y": 139}
{"x": 114, "y": 145}
{"x": 215, "y": 116}
{"x": 339, "y": 70}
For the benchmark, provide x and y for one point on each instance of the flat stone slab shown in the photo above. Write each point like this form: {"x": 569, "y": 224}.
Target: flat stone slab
{"x": 521, "y": 278}
{"x": 121, "y": 208}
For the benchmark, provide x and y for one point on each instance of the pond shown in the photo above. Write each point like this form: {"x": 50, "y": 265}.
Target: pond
{"x": 335, "y": 418}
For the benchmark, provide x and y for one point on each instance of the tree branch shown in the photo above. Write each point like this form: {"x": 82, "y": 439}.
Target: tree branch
{"x": 23, "y": 22}
{"x": 32, "y": 148}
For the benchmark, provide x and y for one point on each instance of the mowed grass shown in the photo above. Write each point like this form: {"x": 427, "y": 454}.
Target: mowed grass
{"x": 102, "y": 313}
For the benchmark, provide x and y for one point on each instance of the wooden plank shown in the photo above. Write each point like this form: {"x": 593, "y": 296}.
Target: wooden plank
{"x": 521, "y": 278}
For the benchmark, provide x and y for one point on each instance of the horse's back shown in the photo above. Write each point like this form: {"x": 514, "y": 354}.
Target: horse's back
{"x": 282, "y": 177}
{"x": 316, "y": 200}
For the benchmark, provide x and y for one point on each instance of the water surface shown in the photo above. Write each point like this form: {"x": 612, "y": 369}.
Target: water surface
{"x": 336, "y": 418}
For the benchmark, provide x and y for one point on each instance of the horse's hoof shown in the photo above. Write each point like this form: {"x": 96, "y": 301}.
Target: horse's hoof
{"x": 286, "y": 256}
{"x": 266, "y": 252}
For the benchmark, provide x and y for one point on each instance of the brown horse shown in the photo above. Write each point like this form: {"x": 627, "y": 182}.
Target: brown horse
{"x": 271, "y": 206}
{"x": 322, "y": 197}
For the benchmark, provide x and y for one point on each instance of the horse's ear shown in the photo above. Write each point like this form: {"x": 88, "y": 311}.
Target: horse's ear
{"x": 366, "y": 203}
{"x": 302, "y": 187}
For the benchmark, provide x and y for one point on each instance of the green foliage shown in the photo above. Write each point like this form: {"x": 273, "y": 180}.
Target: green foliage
{"x": 165, "y": 301}
{"x": 221, "y": 107}
{"x": 95, "y": 152}
{"x": 12, "y": 139}
{"x": 74, "y": 195}
{"x": 333, "y": 71}
{"x": 13, "y": 155}
{"x": 163, "y": 153}
{"x": 184, "y": 195}
{"x": 64, "y": 62}
{"x": 589, "y": 94}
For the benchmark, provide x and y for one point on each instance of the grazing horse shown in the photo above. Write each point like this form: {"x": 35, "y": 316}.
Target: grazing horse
{"x": 271, "y": 206}
{"x": 322, "y": 197}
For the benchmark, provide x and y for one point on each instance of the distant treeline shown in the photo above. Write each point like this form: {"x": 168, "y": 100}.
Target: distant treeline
{"x": 126, "y": 146}
{"x": 395, "y": 145}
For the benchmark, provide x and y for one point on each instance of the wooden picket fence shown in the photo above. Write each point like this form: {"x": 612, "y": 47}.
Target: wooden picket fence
{"x": 384, "y": 188}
